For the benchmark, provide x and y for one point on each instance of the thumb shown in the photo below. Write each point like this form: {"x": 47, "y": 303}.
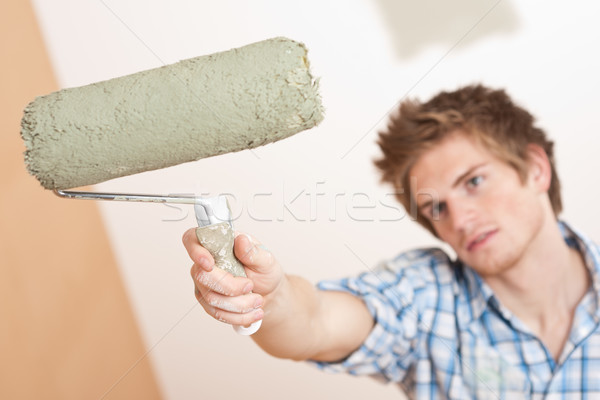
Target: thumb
{"x": 252, "y": 253}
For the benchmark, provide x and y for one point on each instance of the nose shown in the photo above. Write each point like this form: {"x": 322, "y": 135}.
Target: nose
{"x": 461, "y": 214}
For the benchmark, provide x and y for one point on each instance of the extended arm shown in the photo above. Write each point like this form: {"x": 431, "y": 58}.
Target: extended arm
{"x": 299, "y": 321}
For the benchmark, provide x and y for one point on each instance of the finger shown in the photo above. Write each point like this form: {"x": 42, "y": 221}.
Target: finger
{"x": 197, "y": 253}
{"x": 252, "y": 253}
{"x": 233, "y": 318}
{"x": 239, "y": 304}
{"x": 220, "y": 281}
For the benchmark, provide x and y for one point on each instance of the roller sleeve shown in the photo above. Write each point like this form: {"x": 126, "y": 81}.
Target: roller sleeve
{"x": 196, "y": 108}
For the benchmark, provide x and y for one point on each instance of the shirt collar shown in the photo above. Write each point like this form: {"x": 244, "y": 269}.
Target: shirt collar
{"x": 479, "y": 295}
{"x": 590, "y": 253}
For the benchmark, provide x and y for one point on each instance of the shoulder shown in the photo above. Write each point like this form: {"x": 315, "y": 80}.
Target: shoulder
{"x": 424, "y": 266}
{"x": 416, "y": 277}
{"x": 410, "y": 297}
{"x": 419, "y": 266}
{"x": 433, "y": 277}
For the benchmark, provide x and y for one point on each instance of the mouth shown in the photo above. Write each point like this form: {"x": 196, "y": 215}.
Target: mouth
{"x": 480, "y": 239}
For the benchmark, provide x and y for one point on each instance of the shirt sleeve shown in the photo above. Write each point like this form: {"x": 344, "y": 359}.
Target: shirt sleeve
{"x": 395, "y": 294}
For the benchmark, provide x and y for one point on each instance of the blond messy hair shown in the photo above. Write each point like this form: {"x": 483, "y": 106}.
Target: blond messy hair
{"x": 486, "y": 115}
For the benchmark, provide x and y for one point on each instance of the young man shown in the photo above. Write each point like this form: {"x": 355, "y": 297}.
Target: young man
{"x": 515, "y": 316}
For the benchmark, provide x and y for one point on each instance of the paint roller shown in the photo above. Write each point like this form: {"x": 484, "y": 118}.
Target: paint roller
{"x": 200, "y": 107}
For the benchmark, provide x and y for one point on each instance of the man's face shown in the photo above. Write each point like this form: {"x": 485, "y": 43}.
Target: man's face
{"x": 478, "y": 204}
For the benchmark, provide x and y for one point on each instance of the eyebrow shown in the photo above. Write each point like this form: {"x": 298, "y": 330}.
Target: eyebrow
{"x": 467, "y": 173}
{"x": 456, "y": 182}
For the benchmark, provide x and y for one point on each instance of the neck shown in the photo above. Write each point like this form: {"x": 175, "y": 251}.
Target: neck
{"x": 549, "y": 275}
{"x": 545, "y": 286}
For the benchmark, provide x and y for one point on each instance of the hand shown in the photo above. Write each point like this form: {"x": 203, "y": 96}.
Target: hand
{"x": 234, "y": 300}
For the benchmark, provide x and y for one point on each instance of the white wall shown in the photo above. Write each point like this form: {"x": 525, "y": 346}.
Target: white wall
{"x": 369, "y": 55}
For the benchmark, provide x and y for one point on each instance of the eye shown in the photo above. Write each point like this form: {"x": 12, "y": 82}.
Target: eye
{"x": 475, "y": 181}
{"x": 438, "y": 210}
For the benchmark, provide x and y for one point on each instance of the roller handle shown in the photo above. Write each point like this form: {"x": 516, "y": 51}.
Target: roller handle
{"x": 218, "y": 240}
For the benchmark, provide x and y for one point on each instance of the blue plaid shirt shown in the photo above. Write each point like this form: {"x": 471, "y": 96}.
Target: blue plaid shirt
{"x": 440, "y": 332}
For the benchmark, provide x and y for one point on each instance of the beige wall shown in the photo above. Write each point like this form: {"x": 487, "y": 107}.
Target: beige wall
{"x": 66, "y": 329}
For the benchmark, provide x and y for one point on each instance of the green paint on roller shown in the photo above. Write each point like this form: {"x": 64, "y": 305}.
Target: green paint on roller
{"x": 196, "y": 108}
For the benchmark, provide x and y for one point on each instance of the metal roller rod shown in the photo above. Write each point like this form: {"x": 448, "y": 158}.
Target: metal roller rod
{"x": 149, "y": 198}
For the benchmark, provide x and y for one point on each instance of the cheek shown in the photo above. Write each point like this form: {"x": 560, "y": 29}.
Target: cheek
{"x": 506, "y": 200}
{"x": 514, "y": 203}
{"x": 447, "y": 234}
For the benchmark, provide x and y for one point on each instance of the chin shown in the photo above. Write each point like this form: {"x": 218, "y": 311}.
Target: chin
{"x": 489, "y": 266}
{"x": 490, "y": 271}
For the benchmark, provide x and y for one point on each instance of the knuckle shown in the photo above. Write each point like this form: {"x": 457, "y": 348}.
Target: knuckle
{"x": 194, "y": 272}
{"x": 200, "y": 296}
{"x": 210, "y": 310}
{"x": 218, "y": 315}
{"x": 246, "y": 319}
{"x": 248, "y": 307}
{"x": 206, "y": 279}
{"x": 203, "y": 278}
{"x": 210, "y": 298}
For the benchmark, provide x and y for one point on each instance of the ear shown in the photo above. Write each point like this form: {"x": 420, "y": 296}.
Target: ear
{"x": 539, "y": 171}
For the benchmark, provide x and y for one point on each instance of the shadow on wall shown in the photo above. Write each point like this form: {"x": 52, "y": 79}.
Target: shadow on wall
{"x": 416, "y": 25}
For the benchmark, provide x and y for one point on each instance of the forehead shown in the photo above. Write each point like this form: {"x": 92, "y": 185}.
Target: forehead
{"x": 448, "y": 159}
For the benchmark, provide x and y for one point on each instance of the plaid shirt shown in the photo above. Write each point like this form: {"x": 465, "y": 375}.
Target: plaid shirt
{"x": 440, "y": 332}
